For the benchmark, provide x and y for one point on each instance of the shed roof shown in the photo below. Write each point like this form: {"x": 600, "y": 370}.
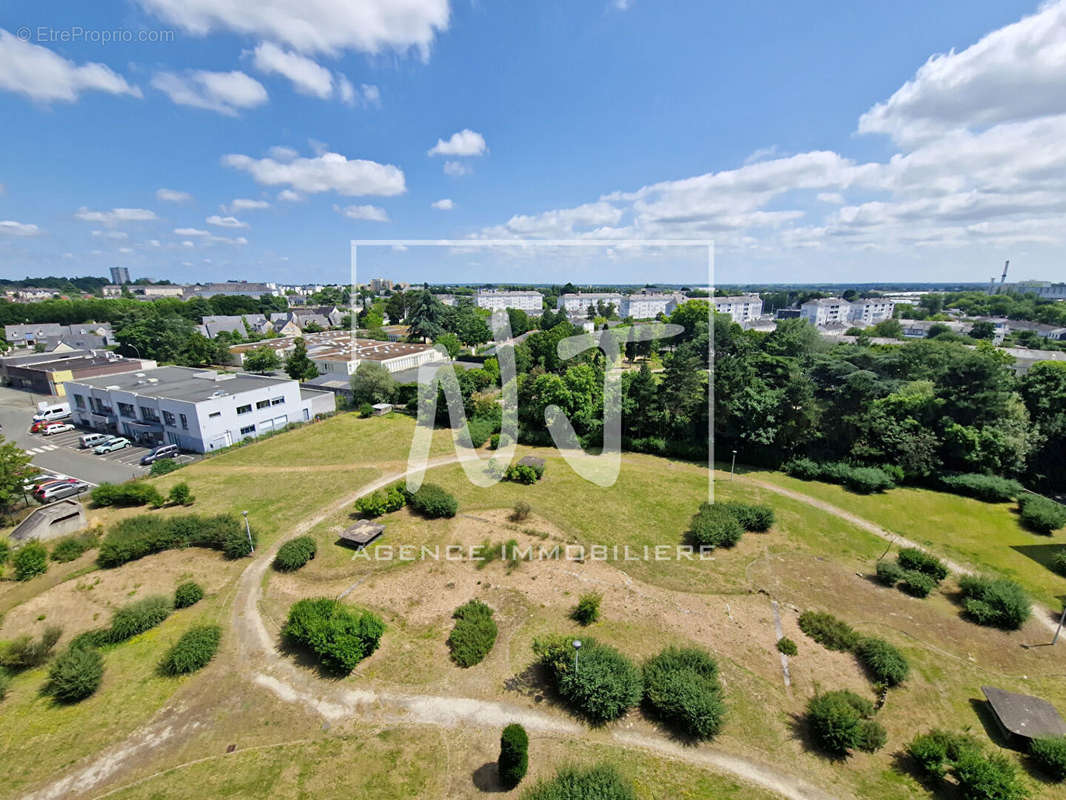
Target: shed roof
{"x": 362, "y": 533}
{"x": 1024, "y": 715}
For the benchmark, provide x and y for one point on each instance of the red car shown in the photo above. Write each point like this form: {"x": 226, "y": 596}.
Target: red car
{"x": 38, "y": 426}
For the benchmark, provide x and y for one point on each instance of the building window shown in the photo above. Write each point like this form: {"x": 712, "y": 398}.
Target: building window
{"x": 149, "y": 415}
{"x": 277, "y": 401}
{"x": 184, "y": 422}
{"x": 214, "y": 414}
{"x": 126, "y": 410}
{"x": 263, "y": 404}
{"x": 243, "y": 409}
{"x": 249, "y": 429}
{"x": 79, "y": 401}
{"x": 168, "y": 418}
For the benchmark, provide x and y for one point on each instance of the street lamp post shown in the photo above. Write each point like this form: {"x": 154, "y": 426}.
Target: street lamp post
{"x": 733, "y": 466}
{"x": 248, "y": 530}
{"x": 1058, "y": 630}
{"x": 577, "y": 648}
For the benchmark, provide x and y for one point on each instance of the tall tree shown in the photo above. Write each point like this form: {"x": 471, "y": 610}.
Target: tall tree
{"x": 298, "y": 366}
{"x": 15, "y": 468}
{"x": 262, "y": 360}
{"x": 425, "y": 316}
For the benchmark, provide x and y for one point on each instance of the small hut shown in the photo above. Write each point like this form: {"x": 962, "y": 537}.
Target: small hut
{"x": 532, "y": 461}
{"x": 362, "y": 533}
{"x": 1022, "y": 717}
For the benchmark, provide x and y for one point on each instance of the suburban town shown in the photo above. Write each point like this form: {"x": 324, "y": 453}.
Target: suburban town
{"x": 745, "y": 485}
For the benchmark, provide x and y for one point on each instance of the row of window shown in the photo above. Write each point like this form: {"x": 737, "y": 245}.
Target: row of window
{"x": 247, "y": 409}
{"x": 150, "y": 415}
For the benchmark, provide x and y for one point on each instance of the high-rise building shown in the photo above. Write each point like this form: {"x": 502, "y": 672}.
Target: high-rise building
{"x": 120, "y": 275}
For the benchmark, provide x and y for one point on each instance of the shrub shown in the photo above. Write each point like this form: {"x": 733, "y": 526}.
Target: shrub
{"x": 803, "y": 468}
{"x": 521, "y": 511}
{"x": 1041, "y": 514}
{"x": 137, "y": 617}
{"x": 714, "y": 526}
{"x": 521, "y": 473}
{"x": 587, "y": 609}
{"x": 911, "y": 558}
{"x": 479, "y": 429}
{"x": 605, "y": 685}
{"x": 75, "y": 674}
{"x": 25, "y": 652}
{"x": 295, "y": 553}
{"x": 601, "y": 782}
{"x": 756, "y": 518}
{"x": 514, "y": 755}
{"x": 995, "y": 601}
{"x": 681, "y": 686}
{"x": 889, "y": 572}
{"x": 835, "y": 720}
{"x": 181, "y": 495}
{"x": 862, "y": 480}
{"x": 787, "y": 646}
{"x": 366, "y": 410}
{"x": 163, "y": 466}
{"x": 137, "y": 537}
{"x": 867, "y": 480}
{"x": 433, "y": 502}
{"x": 337, "y": 635}
{"x": 989, "y": 488}
{"x": 917, "y": 583}
{"x": 5, "y": 552}
{"x": 383, "y": 501}
{"x": 188, "y": 594}
{"x": 828, "y": 631}
{"x": 474, "y": 633}
{"x": 981, "y": 776}
{"x": 934, "y": 752}
{"x": 5, "y": 682}
{"x": 195, "y": 648}
{"x": 30, "y": 561}
{"x": 71, "y": 547}
{"x": 884, "y": 662}
{"x": 133, "y": 493}
{"x": 1049, "y": 753}
{"x": 871, "y": 736}
{"x": 1058, "y": 561}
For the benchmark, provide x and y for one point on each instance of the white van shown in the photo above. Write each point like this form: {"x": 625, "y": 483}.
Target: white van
{"x": 93, "y": 439}
{"x": 61, "y": 411}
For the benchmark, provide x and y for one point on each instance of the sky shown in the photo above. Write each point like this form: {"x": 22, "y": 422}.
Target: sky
{"x": 200, "y": 140}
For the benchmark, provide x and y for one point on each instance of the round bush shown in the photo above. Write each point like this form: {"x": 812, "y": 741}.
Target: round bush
{"x": 602, "y": 782}
{"x": 867, "y": 480}
{"x": 714, "y": 526}
{"x": 995, "y": 601}
{"x": 981, "y": 776}
{"x": 1058, "y": 561}
{"x": 587, "y": 609}
{"x": 514, "y": 755}
{"x": 889, "y": 572}
{"x": 681, "y": 686}
{"x": 339, "y": 636}
{"x": 605, "y": 685}
{"x": 758, "y": 519}
{"x": 193, "y": 651}
{"x": 30, "y": 561}
{"x": 1041, "y": 514}
{"x": 137, "y": 617}
{"x": 835, "y": 720}
{"x": 1049, "y": 754}
{"x": 911, "y": 558}
{"x": 787, "y": 646}
{"x": 188, "y": 594}
{"x": 917, "y": 584}
{"x": 871, "y": 736}
{"x": 885, "y": 663}
{"x": 474, "y": 633}
{"x": 433, "y": 502}
{"x": 75, "y": 674}
{"x": 934, "y": 752}
{"x": 295, "y": 553}
{"x": 71, "y": 547}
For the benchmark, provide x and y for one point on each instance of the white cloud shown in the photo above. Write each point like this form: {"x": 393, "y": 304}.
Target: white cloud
{"x": 622, "y": 5}
{"x": 224, "y": 92}
{"x": 446, "y": 204}
{"x": 225, "y": 222}
{"x": 115, "y": 216}
{"x": 456, "y": 169}
{"x": 114, "y": 235}
{"x": 367, "y": 95}
{"x": 153, "y": 243}
{"x": 368, "y": 213}
{"x": 321, "y": 26}
{"x": 11, "y": 228}
{"x": 328, "y": 172}
{"x": 289, "y": 196}
{"x": 371, "y": 94}
{"x": 172, "y": 196}
{"x": 244, "y": 204}
{"x": 345, "y": 90}
{"x": 280, "y": 153}
{"x": 45, "y": 76}
{"x": 126, "y": 250}
{"x": 462, "y": 143}
{"x": 835, "y": 198}
{"x": 190, "y": 232}
{"x": 187, "y": 243}
{"x": 306, "y": 75}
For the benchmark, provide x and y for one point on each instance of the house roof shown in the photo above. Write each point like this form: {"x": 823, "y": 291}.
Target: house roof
{"x": 1024, "y": 715}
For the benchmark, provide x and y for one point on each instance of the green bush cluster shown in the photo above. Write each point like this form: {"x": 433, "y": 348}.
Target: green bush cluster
{"x": 681, "y": 686}
{"x": 30, "y": 560}
{"x": 514, "y": 755}
{"x": 137, "y": 537}
{"x": 433, "y": 502}
{"x": 787, "y": 646}
{"x": 25, "y": 652}
{"x": 524, "y": 473}
{"x": 861, "y": 480}
{"x": 134, "y": 493}
{"x": 978, "y": 775}
{"x": 5, "y": 552}
{"x": 600, "y": 782}
{"x": 999, "y": 602}
{"x": 587, "y": 609}
{"x": 196, "y": 647}
{"x": 337, "y": 635}
{"x": 188, "y": 594}
{"x": 474, "y": 633}
{"x": 911, "y": 558}
{"x": 181, "y": 494}
{"x": 138, "y": 617}
{"x": 605, "y": 684}
{"x": 521, "y": 511}
{"x": 918, "y": 573}
{"x": 295, "y": 553}
{"x": 752, "y": 518}
{"x": 5, "y": 682}
{"x": 71, "y": 547}
{"x": 989, "y": 488}
{"x": 828, "y": 631}
{"x": 1058, "y": 561}
{"x": 1041, "y": 514}
{"x": 841, "y": 721}
{"x": 883, "y": 661}
{"x": 383, "y": 501}
{"x": 75, "y": 674}
{"x": 714, "y": 526}
{"x": 1049, "y": 754}
{"x": 163, "y": 466}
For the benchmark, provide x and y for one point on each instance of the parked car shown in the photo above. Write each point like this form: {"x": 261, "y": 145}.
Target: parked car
{"x": 56, "y": 427}
{"x": 111, "y": 445}
{"x": 162, "y": 451}
{"x": 38, "y": 425}
{"x": 93, "y": 439}
{"x": 43, "y": 477}
{"x": 57, "y": 490}
{"x": 50, "y": 413}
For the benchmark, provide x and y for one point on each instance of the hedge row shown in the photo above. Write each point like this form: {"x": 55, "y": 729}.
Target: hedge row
{"x": 196, "y": 647}
{"x": 998, "y": 602}
{"x": 137, "y": 537}
{"x": 600, "y": 782}
{"x": 133, "y": 493}
{"x": 882, "y": 660}
{"x": 71, "y": 547}
{"x": 474, "y": 633}
{"x": 295, "y": 553}
{"x": 989, "y": 488}
{"x": 383, "y": 501}
{"x": 916, "y": 571}
{"x": 862, "y": 480}
{"x": 337, "y": 635}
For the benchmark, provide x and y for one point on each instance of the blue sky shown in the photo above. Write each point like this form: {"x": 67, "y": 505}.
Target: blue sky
{"x": 837, "y": 142}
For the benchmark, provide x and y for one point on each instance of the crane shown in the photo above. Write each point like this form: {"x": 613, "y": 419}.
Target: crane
{"x": 1003, "y": 278}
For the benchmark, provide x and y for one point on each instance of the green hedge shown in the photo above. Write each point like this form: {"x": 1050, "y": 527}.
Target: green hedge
{"x": 474, "y": 633}
{"x": 383, "y": 501}
{"x": 30, "y": 560}
{"x": 25, "y": 652}
{"x": 188, "y": 594}
{"x": 1049, "y": 754}
{"x": 514, "y": 755}
{"x": 978, "y": 775}
{"x": 1058, "y": 561}
{"x": 71, "y": 547}
{"x": 193, "y": 651}
{"x": 601, "y": 782}
{"x": 1041, "y": 514}
{"x": 989, "y": 488}
{"x": 714, "y": 526}
{"x": 841, "y": 721}
{"x": 339, "y": 636}
{"x": 433, "y": 502}
{"x": 889, "y": 572}
{"x": 995, "y": 601}
{"x": 587, "y": 610}
{"x": 605, "y": 685}
{"x": 138, "y": 617}
{"x": 75, "y": 674}
{"x": 137, "y": 537}
{"x": 752, "y": 518}
{"x": 681, "y": 687}
{"x": 884, "y": 662}
{"x": 133, "y": 493}
{"x": 911, "y": 558}
{"x": 295, "y": 553}
{"x": 828, "y": 631}
{"x": 861, "y": 480}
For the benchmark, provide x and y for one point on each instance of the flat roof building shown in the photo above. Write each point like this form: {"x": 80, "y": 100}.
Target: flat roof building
{"x": 577, "y": 303}
{"x": 49, "y": 373}
{"x": 338, "y": 353}
{"x": 501, "y": 299}
{"x": 740, "y": 308}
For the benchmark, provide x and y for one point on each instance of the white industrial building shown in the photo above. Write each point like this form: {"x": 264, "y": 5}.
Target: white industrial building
{"x": 740, "y": 308}
{"x": 339, "y": 353}
{"x": 1057, "y": 291}
{"x": 577, "y": 303}
{"x": 501, "y": 299}
{"x": 198, "y": 410}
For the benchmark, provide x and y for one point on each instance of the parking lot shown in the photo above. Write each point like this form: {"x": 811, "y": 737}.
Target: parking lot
{"x": 70, "y": 440}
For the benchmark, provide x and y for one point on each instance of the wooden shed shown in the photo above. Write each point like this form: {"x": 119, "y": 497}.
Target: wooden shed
{"x": 1022, "y": 717}
{"x": 362, "y": 533}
